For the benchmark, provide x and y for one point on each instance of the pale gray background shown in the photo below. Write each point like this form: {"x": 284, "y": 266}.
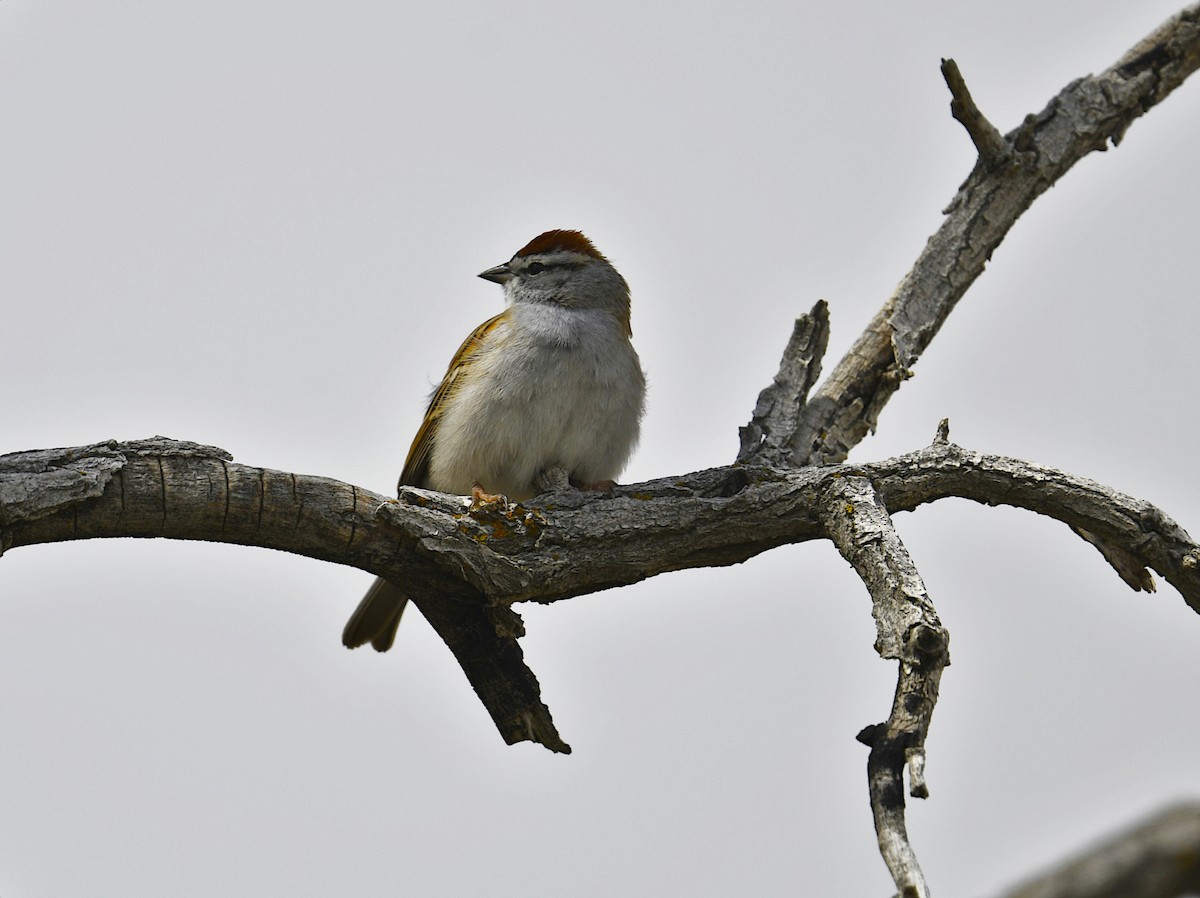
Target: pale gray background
{"x": 257, "y": 225}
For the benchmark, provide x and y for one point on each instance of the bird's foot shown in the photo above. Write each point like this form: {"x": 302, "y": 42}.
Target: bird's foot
{"x": 480, "y": 498}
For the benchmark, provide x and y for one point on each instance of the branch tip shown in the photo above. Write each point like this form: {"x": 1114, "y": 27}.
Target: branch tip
{"x": 770, "y": 435}
{"x": 942, "y": 437}
{"x": 991, "y": 145}
{"x": 917, "y": 787}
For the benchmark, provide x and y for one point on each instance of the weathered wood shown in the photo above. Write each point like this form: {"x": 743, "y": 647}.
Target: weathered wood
{"x": 909, "y": 631}
{"x": 561, "y": 544}
{"x": 1156, "y": 858}
{"x": 1084, "y": 117}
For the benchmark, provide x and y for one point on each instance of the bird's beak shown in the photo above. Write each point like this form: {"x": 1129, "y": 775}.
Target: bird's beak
{"x": 501, "y": 274}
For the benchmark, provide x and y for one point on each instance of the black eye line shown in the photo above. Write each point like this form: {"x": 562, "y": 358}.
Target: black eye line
{"x": 539, "y": 267}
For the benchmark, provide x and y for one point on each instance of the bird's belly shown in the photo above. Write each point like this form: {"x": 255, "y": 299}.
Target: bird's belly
{"x": 545, "y": 407}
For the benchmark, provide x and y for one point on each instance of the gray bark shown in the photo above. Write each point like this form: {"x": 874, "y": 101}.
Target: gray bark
{"x": 1155, "y": 858}
{"x": 1086, "y": 115}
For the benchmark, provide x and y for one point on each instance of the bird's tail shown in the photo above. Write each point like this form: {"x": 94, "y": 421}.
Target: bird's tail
{"x": 376, "y": 617}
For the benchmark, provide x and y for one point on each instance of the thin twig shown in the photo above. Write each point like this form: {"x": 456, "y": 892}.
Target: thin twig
{"x": 993, "y": 148}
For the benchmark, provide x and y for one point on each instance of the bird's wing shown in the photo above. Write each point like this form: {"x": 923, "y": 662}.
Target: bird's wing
{"x": 416, "y": 466}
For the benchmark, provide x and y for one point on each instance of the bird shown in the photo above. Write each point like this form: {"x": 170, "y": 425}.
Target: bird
{"x": 553, "y": 381}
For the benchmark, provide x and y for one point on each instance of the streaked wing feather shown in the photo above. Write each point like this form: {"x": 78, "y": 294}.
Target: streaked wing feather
{"x": 416, "y": 466}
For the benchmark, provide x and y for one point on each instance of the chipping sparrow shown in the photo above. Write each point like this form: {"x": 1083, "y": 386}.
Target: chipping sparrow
{"x": 550, "y": 382}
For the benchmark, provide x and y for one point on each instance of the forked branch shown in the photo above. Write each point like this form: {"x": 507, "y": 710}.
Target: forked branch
{"x": 1085, "y": 116}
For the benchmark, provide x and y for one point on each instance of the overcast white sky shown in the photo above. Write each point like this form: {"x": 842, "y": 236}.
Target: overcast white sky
{"x": 257, "y": 225}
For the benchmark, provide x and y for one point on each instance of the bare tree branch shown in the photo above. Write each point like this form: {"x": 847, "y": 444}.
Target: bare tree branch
{"x": 767, "y": 439}
{"x": 1084, "y": 117}
{"x": 561, "y": 544}
{"x": 1137, "y": 527}
{"x": 909, "y": 631}
{"x": 1157, "y": 858}
{"x": 166, "y": 488}
{"x": 992, "y": 148}
{"x": 464, "y": 569}
{"x": 789, "y": 427}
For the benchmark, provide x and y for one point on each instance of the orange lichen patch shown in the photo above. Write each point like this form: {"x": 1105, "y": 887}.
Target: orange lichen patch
{"x": 551, "y": 241}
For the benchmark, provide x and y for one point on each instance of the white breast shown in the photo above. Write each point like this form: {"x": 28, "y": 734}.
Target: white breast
{"x": 552, "y": 387}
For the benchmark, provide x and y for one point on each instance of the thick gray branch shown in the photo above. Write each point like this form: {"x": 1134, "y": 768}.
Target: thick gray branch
{"x": 559, "y": 545}
{"x": 180, "y": 490}
{"x": 909, "y": 631}
{"x": 464, "y": 569}
{"x": 1157, "y": 858}
{"x": 1140, "y": 529}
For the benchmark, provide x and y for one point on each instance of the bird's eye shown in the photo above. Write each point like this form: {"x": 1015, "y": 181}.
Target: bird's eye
{"x": 535, "y": 268}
